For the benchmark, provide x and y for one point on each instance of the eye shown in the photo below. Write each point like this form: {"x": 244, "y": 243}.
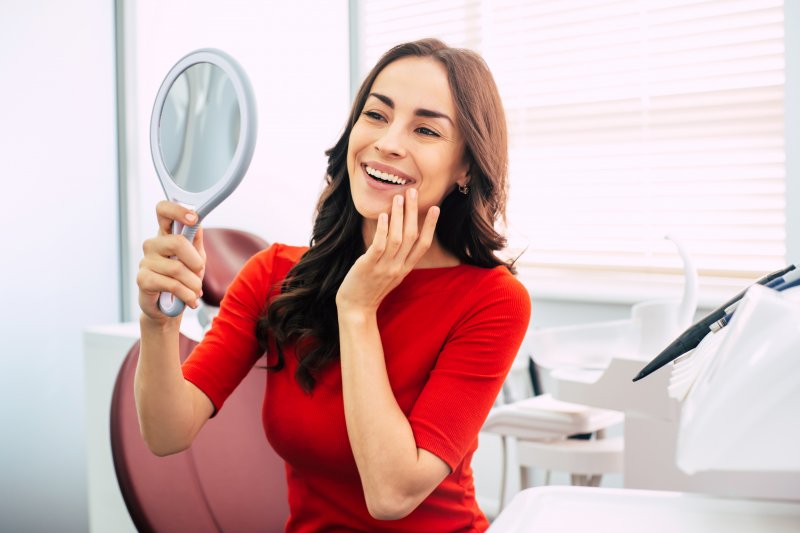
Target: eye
{"x": 374, "y": 115}
{"x": 427, "y": 132}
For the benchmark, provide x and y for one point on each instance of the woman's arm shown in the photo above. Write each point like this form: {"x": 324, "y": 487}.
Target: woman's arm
{"x": 395, "y": 474}
{"x": 171, "y": 410}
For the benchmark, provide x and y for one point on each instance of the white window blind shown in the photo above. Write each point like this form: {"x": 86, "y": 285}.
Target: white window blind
{"x": 629, "y": 120}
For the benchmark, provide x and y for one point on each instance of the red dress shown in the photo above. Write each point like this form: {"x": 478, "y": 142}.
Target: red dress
{"x": 449, "y": 337}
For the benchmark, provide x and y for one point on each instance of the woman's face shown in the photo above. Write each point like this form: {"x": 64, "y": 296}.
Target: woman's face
{"x": 406, "y": 137}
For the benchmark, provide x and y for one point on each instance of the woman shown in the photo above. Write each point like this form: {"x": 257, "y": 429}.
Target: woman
{"x": 389, "y": 338}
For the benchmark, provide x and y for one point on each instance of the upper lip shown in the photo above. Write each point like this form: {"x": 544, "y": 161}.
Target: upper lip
{"x": 389, "y": 170}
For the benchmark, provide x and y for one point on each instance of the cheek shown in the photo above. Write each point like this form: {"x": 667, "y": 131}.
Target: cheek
{"x": 443, "y": 172}
{"x": 441, "y": 180}
{"x": 350, "y": 153}
{"x": 357, "y": 140}
{"x": 353, "y": 144}
{"x": 432, "y": 195}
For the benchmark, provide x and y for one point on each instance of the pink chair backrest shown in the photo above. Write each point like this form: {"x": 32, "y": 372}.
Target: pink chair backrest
{"x": 229, "y": 480}
{"x": 227, "y": 250}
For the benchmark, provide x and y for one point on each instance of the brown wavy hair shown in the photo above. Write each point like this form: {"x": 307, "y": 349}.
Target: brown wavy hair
{"x": 304, "y": 313}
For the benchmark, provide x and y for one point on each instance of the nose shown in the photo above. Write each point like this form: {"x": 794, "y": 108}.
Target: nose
{"x": 391, "y": 143}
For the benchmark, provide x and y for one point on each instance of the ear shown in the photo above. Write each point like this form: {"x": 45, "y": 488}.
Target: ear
{"x": 464, "y": 172}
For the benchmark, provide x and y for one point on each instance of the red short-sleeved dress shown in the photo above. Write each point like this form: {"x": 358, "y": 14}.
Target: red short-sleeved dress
{"x": 449, "y": 337}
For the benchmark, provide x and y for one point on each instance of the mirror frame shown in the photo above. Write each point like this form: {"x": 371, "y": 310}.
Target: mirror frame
{"x": 205, "y": 201}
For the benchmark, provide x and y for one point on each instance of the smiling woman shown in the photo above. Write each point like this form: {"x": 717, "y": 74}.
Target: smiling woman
{"x": 388, "y": 339}
{"x": 405, "y": 142}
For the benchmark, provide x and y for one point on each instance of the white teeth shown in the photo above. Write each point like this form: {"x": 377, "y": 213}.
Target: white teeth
{"x": 385, "y": 176}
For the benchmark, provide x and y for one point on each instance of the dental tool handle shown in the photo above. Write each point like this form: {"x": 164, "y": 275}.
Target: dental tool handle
{"x": 168, "y": 303}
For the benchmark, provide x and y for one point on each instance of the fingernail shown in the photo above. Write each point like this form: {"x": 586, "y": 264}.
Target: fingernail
{"x": 190, "y": 217}
{"x": 412, "y": 193}
{"x": 398, "y": 200}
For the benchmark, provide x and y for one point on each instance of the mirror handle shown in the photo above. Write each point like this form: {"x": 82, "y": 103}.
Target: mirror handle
{"x": 168, "y": 303}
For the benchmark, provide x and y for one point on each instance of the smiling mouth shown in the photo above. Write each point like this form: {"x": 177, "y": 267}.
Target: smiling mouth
{"x": 385, "y": 177}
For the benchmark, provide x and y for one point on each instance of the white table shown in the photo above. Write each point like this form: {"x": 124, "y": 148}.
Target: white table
{"x": 569, "y": 509}
{"x": 104, "y": 349}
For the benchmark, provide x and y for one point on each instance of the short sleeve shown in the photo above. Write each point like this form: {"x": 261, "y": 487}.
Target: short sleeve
{"x": 471, "y": 368}
{"x": 230, "y": 348}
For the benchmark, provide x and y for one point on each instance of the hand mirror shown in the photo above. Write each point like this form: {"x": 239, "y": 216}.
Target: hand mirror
{"x": 202, "y": 137}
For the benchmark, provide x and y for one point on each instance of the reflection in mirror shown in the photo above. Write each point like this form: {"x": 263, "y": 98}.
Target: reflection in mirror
{"x": 199, "y": 127}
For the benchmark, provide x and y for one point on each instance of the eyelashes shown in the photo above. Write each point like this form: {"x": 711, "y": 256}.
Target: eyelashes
{"x": 427, "y": 132}
{"x": 374, "y": 115}
{"x": 422, "y": 130}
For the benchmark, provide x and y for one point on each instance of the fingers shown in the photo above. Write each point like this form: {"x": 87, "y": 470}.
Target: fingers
{"x": 378, "y": 246}
{"x": 410, "y": 225}
{"x": 398, "y": 238}
{"x": 168, "y": 266}
{"x": 425, "y": 235}
{"x": 198, "y": 244}
{"x": 395, "y": 238}
{"x": 167, "y": 212}
{"x": 163, "y": 274}
{"x": 171, "y": 263}
{"x": 178, "y": 247}
{"x": 404, "y": 228}
{"x": 167, "y": 278}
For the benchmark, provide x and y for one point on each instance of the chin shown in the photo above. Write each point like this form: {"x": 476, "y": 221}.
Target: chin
{"x": 368, "y": 204}
{"x": 370, "y": 209}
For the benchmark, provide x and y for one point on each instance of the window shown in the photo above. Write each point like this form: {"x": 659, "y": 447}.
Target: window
{"x": 629, "y": 120}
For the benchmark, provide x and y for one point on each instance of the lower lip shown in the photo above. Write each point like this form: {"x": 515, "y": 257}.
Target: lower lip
{"x": 379, "y": 185}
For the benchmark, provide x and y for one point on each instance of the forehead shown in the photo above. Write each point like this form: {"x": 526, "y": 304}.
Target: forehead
{"x": 416, "y": 82}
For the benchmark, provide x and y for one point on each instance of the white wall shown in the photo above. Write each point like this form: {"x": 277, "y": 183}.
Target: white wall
{"x": 59, "y": 261}
{"x": 297, "y": 57}
{"x": 58, "y": 247}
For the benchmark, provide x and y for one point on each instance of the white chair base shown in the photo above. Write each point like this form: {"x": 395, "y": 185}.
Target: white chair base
{"x": 586, "y": 460}
{"x": 540, "y": 426}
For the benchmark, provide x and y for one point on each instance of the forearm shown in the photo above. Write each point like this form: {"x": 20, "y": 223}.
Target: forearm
{"x": 380, "y": 434}
{"x": 164, "y": 401}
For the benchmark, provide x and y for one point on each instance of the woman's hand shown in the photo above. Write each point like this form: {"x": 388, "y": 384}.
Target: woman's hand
{"x": 171, "y": 263}
{"x": 397, "y": 246}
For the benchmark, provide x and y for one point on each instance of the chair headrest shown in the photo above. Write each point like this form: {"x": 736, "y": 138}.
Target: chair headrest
{"x": 227, "y": 250}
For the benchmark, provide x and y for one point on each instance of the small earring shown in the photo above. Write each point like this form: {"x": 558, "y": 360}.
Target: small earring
{"x": 463, "y": 189}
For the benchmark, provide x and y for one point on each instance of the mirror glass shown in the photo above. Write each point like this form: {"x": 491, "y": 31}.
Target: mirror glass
{"x": 199, "y": 127}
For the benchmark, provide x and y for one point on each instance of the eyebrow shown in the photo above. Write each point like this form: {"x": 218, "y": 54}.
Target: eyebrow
{"x": 418, "y": 112}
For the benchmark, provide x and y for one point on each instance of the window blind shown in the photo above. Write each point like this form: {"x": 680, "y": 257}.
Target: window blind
{"x": 628, "y": 120}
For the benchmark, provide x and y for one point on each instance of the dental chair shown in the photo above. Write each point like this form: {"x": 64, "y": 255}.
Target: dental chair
{"x": 541, "y": 429}
{"x": 230, "y": 479}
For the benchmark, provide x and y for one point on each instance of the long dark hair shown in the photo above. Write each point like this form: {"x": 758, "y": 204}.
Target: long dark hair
{"x": 305, "y": 312}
